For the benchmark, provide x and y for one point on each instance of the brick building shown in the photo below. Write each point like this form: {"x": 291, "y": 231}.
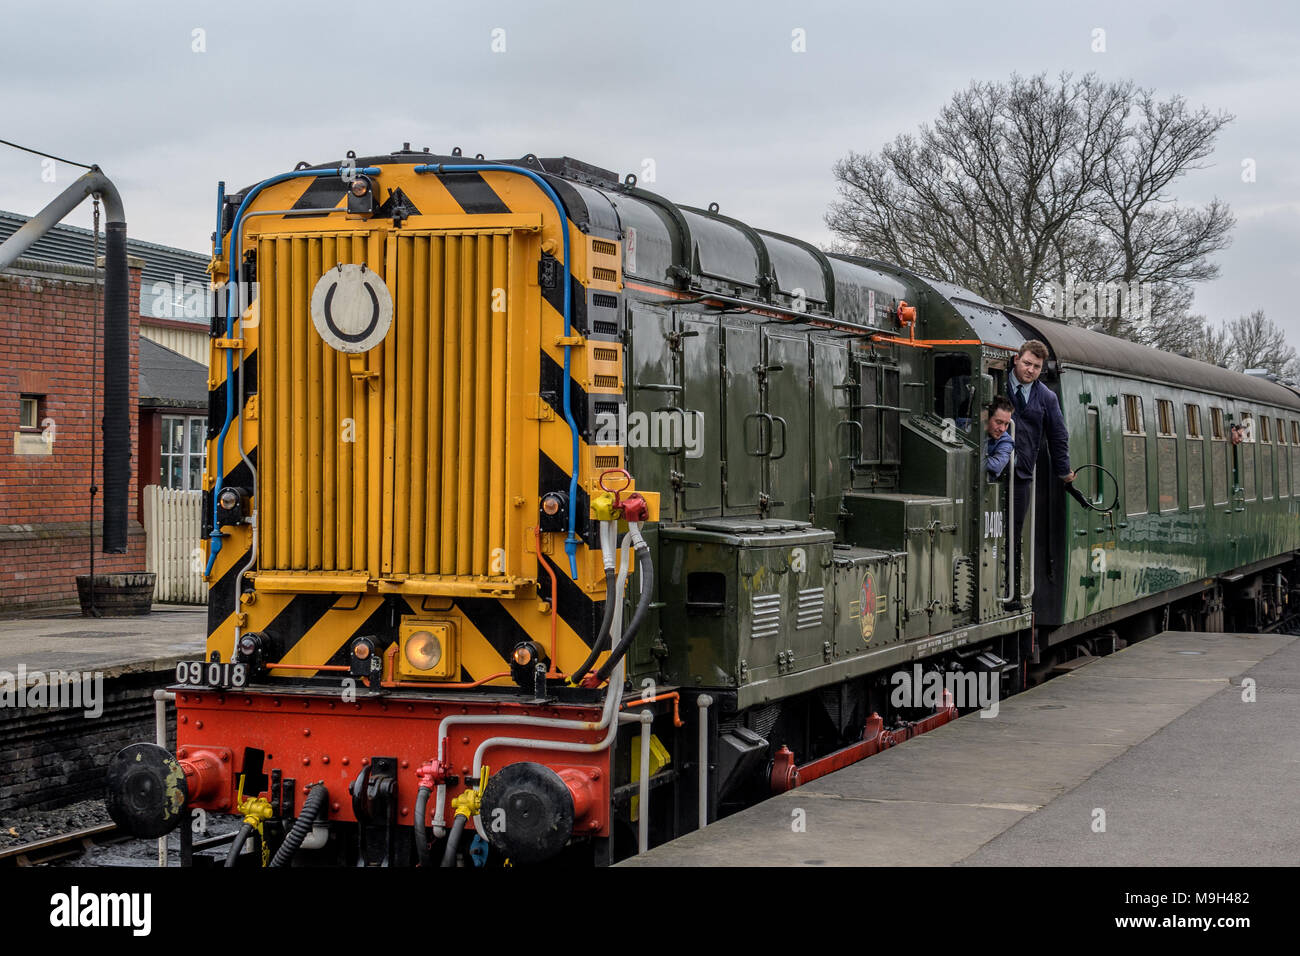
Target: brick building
{"x": 48, "y": 377}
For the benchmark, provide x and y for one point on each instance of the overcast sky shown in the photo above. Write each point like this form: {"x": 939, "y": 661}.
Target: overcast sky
{"x": 712, "y": 92}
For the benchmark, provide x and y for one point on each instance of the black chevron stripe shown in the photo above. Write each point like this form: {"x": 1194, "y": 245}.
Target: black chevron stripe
{"x": 552, "y": 388}
{"x": 221, "y": 593}
{"x": 475, "y": 196}
{"x": 295, "y": 619}
{"x": 577, "y": 305}
{"x": 552, "y": 477}
{"x": 323, "y": 193}
{"x": 379, "y": 624}
{"x": 494, "y": 622}
{"x": 217, "y": 395}
{"x": 578, "y": 611}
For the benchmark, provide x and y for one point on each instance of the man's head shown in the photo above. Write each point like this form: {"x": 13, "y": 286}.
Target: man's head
{"x": 1237, "y": 433}
{"x": 1029, "y": 361}
{"x": 999, "y": 419}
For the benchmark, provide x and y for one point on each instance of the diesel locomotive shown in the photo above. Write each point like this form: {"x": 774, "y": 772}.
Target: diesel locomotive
{"x": 548, "y": 519}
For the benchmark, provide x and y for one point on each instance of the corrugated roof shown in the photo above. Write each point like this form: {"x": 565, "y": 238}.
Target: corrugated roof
{"x": 72, "y": 244}
{"x": 1075, "y": 346}
{"x": 169, "y": 378}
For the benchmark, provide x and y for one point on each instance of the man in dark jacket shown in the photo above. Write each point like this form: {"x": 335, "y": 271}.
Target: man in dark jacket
{"x": 1038, "y": 416}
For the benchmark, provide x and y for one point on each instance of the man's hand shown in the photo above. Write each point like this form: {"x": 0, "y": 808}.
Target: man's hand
{"x": 1068, "y": 478}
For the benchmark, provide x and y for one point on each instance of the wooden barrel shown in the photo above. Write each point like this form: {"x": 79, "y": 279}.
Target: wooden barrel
{"x": 117, "y": 595}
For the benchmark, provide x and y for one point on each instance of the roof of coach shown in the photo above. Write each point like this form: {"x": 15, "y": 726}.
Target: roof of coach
{"x": 1072, "y": 345}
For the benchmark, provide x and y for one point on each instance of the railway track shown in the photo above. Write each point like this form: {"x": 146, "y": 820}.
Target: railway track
{"x": 60, "y": 847}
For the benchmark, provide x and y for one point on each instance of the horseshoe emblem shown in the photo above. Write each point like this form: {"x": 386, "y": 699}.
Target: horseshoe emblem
{"x": 351, "y": 308}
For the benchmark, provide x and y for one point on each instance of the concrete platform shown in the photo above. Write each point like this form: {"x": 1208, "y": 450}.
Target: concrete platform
{"x": 1157, "y": 737}
{"x": 61, "y": 639}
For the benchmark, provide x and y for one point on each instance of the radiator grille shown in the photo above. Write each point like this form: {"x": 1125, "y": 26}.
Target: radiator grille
{"x": 395, "y": 465}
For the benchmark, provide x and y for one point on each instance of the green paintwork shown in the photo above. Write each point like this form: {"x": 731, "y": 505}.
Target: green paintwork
{"x": 1182, "y": 543}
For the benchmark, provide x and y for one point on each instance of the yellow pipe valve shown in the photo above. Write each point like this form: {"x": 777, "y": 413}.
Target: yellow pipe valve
{"x": 602, "y": 507}
{"x": 255, "y": 810}
{"x": 468, "y": 801}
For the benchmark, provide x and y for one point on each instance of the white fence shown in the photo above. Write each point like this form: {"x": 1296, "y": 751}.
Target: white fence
{"x": 173, "y": 524}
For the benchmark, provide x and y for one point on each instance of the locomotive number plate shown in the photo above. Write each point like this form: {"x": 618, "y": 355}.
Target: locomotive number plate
{"x": 211, "y": 674}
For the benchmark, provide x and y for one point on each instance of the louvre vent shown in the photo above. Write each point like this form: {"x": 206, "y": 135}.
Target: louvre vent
{"x": 604, "y": 328}
{"x": 812, "y": 608}
{"x": 606, "y": 355}
{"x": 604, "y": 275}
{"x": 767, "y": 615}
{"x": 605, "y": 381}
{"x": 603, "y": 247}
{"x": 604, "y": 300}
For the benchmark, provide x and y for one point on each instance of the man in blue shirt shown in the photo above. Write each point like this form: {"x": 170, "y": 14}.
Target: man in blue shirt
{"x": 997, "y": 449}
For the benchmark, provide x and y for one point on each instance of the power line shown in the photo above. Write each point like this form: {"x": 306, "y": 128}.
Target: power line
{"x": 46, "y": 155}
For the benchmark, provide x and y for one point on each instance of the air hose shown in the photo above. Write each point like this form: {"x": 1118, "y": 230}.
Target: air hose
{"x": 602, "y": 638}
{"x": 422, "y": 831}
{"x": 642, "y": 606}
{"x": 609, "y": 552}
{"x": 245, "y": 831}
{"x": 453, "y": 840}
{"x": 311, "y": 809}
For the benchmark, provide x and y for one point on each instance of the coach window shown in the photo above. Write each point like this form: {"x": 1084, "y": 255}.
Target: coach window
{"x": 1195, "y": 458}
{"x": 1244, "y": 454}
{"x": 1166, "y": 455}
{"x": 1295, "y": 457}
{"x": 1135, "y": 457}
{"x": 1219, "y": 479}
{"x": 1094, "y": 451}
{"x": 1283, "y": 462}
{"x": 1265, "y": 441}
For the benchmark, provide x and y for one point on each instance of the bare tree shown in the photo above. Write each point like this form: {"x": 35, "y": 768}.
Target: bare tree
{"x": 1164, "y": 247}
{"x": 984, "y": 196}
{"x": 1216, "y": 347}
{"x": 1258, "y": 343}
{"x": 1047, "y": 194}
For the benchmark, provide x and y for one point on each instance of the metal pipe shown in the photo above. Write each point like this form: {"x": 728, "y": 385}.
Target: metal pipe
{"x": 703, "y": 702}
{"x": 1033, "y": 520}
{"x": 614, "y": 693}
{"x": 643, "y": 811}
{"x": 160, "y": 698}
{"x": 62, "y": 204}
{"x": 1011, "y": 522}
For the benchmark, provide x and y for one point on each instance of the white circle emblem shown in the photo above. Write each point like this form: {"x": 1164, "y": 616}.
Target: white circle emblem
{"x": 351, "y": 308}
